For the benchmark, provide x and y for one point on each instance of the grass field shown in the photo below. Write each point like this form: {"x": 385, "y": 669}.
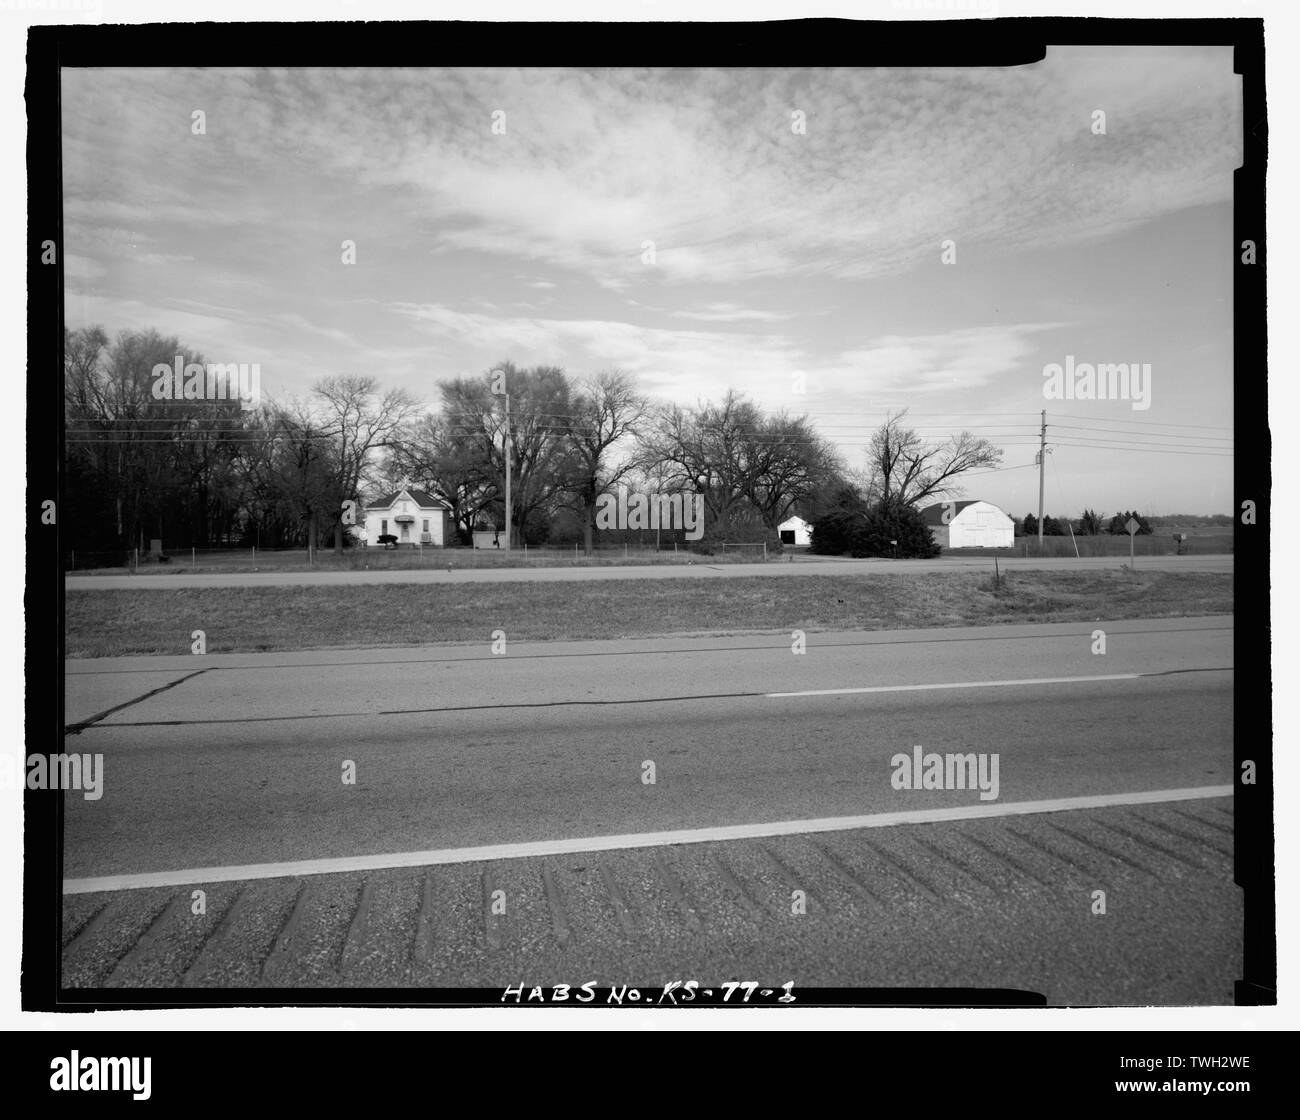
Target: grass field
{"x": 184, "y": 561}
{"x": 112, "y": 623}
{"x": 1200, "y": 542}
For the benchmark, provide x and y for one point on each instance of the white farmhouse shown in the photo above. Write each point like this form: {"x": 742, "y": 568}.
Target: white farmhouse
{"x": 412, "y": 516}
{"x": 971, "y": 524}
{"x": 795, "y": 531}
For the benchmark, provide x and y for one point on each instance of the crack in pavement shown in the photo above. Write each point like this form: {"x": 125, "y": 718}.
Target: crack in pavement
{"x": 81, "y": 725}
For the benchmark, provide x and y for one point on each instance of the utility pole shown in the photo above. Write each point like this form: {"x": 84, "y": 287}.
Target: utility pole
{"x": 509, "y": 456}
{"x": 1042, "y": 467}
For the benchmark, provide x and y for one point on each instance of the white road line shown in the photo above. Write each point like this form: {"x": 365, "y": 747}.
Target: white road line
{"x": 957, "y": 684}
{"x": 436, "y": 857}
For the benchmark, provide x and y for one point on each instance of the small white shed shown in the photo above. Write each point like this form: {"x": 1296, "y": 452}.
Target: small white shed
{"x": 795, "y": 531}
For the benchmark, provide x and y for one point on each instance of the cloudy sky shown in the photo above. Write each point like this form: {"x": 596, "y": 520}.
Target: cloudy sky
{"x": 781, "y": 258}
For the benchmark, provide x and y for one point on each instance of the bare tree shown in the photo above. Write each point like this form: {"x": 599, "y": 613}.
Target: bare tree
{"x": 750, "y": 467}
{"x": 902, "y": 468}
{"x": 540, "y": 412}
{"x": 357, "y": 421}
{"x": 302, "y": 471}
{"x": 791, "y": 463}
{"x": 709, "y": 449}
{"x": 146, "y": 457}
{"x": 427, "y": 452}
{"x": 606, "y": 410}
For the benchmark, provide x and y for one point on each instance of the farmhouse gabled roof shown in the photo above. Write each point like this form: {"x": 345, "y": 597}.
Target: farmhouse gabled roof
{"x": 933, "y": 515}
{"x": 420, "y": 497}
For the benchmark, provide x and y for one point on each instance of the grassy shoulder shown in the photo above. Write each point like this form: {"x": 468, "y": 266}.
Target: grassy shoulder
{"x": 116, "y": 623}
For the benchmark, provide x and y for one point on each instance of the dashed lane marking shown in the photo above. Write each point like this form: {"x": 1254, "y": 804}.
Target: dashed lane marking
{"x": 983, "y": 684}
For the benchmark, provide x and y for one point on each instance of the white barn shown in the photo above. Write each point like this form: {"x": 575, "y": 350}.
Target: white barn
{"x": 412, "y": 516}
{"x": 795, "y": 531}
{"x": 970, "y": 524}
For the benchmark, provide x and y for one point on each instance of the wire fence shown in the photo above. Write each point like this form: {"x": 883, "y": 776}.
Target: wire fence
{"x": 247, "y": 559}
{"x": 355, "y": 558}
{"x": 1106, "y": 544}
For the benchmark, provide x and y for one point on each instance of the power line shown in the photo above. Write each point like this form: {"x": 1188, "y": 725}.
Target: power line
{"x": 1000, "y": 470}
{"x": 1143, "y": 434}
{"x": 1175, "y": 448}
{"x": 1146, "y": 450}
{"x": 1146, "y": 441}
{"x": 1150, "y": 423}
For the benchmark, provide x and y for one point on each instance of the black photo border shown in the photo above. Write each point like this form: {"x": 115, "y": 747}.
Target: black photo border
{"x": 780, "y": 43}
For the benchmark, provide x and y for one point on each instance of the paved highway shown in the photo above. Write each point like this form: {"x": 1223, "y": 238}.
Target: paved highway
{"x": 502, "y": 827}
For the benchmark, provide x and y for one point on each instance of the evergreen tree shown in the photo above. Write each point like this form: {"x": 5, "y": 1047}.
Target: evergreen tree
{"x": 894, "y": 521}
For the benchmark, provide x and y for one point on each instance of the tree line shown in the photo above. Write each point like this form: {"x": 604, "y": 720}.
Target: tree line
{"x": 208, "y": 474}
{"x": 279, "y": 475}
{"x": 1089, "y": 525}
{"x": 200, "y": 473}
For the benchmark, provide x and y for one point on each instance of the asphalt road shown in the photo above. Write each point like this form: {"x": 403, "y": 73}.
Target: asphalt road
{"x": 229, "y": 777}
{"x": 802, "y": 566}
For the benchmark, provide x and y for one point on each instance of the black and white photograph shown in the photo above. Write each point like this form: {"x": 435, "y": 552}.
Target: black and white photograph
{"x": 749, "y": 530}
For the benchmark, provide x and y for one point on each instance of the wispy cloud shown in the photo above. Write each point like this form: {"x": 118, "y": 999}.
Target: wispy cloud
{"x": 724, "y": 312}
{"x": 954, "y": 361}
{"x": 705, "y": 164}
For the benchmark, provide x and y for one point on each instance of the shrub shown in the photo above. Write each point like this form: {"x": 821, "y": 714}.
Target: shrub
{"x": 889, "y": 522}
{"x": 833, "y": 532}
{"x": 872, "y": 533}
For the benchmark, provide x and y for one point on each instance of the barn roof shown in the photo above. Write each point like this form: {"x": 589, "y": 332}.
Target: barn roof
{"x": 933, "y": 515}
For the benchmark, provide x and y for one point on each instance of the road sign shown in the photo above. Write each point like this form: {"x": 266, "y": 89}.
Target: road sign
{"x": 1132, "y": 526}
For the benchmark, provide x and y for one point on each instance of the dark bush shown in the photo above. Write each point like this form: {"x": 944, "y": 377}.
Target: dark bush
{"x": 889, "y": 522}
{"x": 833, "y": 532}
{"x": 872, "y": 533}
